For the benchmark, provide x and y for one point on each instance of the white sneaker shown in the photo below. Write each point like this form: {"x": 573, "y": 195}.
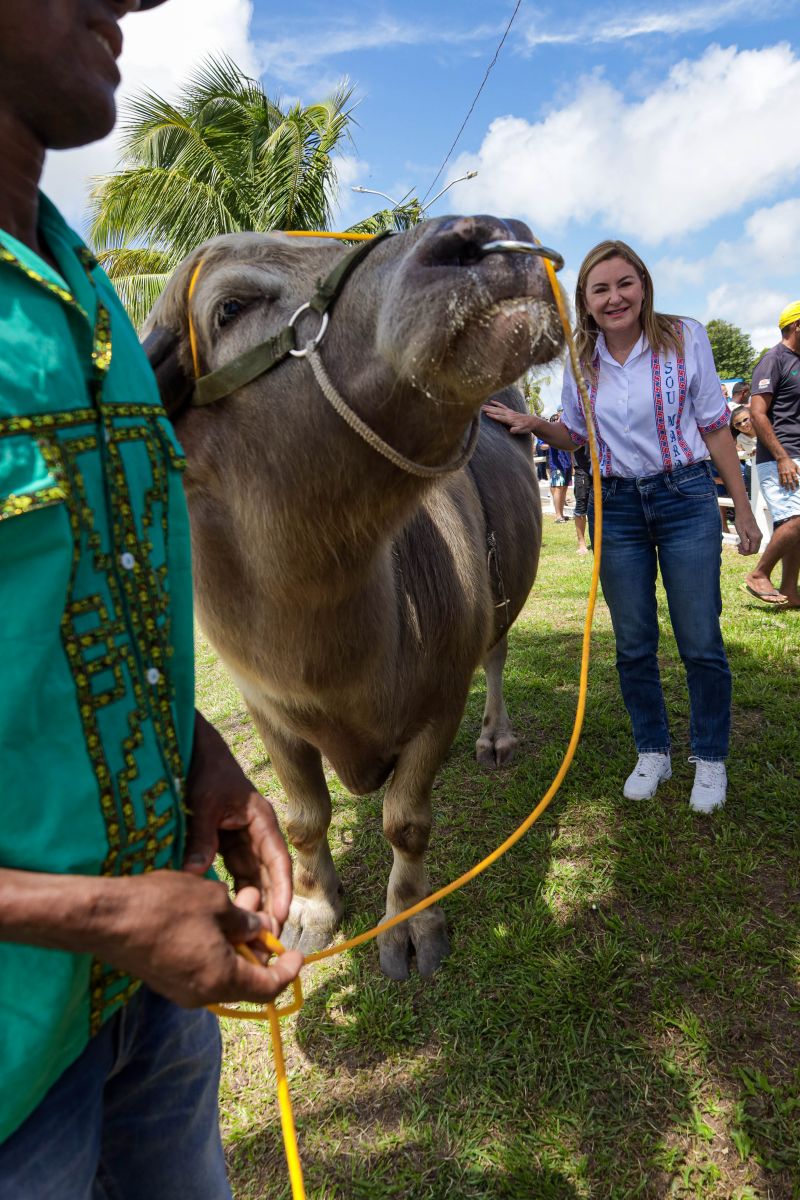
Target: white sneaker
{"x": 643, "y": 781}
{"x": 710, "y": 785}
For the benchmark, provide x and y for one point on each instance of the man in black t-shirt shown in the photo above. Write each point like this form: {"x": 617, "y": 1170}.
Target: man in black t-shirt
{"x": 775, "y": 414}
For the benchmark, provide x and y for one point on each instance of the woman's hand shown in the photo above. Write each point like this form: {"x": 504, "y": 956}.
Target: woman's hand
{"x": 723, "y": 455}
{"x": 748, "y": 531}
{"x": 517, "y": 422}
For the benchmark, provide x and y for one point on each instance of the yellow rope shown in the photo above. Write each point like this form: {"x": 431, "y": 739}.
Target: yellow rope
{"x": 192, "y": 330}
{"x": 343, "y": 237}
{"x": 273, "y": 1014}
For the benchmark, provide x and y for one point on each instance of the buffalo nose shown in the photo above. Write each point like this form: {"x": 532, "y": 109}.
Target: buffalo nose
{"x": 458, "y": 241}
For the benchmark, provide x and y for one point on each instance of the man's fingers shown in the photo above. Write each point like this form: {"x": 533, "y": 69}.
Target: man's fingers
{"x": 242, "y": 860}
{"x": 201, "y": 841}
{"x": 248, "y": 898}
{"x": 239, "y": 924}
{"x": 259, "y": 984}
{"x": 270, "y": 848}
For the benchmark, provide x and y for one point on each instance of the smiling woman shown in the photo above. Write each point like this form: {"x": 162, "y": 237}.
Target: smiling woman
{"x": 659, "y": 417}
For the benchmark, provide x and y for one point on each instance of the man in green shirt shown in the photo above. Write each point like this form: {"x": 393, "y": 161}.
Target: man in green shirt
{"x": 114, "y": 794}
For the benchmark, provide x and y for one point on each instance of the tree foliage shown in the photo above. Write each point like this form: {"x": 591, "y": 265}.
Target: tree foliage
{"x": 733, "y": 350}
{"x": 223, "y": 158}
{"x": 532, "y": 383}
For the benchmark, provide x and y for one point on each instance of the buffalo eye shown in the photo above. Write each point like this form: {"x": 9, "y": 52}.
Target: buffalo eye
{"x": 229, "y": 310}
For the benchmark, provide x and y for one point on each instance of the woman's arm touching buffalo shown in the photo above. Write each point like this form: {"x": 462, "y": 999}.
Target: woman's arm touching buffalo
{"x": 552, "y": 432}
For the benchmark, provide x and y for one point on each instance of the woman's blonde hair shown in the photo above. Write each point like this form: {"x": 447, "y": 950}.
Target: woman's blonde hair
{"x": 661, "y": 329}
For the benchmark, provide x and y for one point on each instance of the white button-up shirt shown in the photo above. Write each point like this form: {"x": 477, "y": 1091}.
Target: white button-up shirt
{"x": 650, "y": 411}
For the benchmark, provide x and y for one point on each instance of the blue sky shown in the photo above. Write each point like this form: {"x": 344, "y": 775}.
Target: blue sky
{"x": 672, "y": 127}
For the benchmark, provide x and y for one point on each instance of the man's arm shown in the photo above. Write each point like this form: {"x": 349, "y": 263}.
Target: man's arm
{"x": 173, "y": 931}
{"x": 176, "y": 930}
{"x": 787, "y": 470}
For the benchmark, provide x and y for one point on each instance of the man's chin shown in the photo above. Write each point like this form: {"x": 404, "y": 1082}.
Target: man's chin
{"x": 85, "y": 124}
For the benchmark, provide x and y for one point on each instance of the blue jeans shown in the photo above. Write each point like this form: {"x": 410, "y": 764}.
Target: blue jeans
{"x": 134, "y": 1118}
{"x": 671, "y": 522}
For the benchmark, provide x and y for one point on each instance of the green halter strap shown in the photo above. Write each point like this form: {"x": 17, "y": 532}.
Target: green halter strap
{"x": 259, "y": 359}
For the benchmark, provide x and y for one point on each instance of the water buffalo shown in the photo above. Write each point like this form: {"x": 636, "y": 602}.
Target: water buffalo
{"x": 352, "y": 599}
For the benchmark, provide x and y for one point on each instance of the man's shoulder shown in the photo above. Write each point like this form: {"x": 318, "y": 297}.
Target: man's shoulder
{"x": 766, "y": 369}
{"x": 786, "y": 362}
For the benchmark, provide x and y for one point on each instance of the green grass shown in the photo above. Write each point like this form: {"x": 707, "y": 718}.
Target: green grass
{"x": 619, "y": 1015}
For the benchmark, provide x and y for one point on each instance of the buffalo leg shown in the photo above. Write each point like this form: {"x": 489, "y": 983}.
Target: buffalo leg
{"x": 317, "y": 902}
{"x": 407, "y": 826}
{"x": 495, "y": 747}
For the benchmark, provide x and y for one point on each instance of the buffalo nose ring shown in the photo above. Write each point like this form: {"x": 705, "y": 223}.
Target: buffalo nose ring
{"x": 511, "y": 247}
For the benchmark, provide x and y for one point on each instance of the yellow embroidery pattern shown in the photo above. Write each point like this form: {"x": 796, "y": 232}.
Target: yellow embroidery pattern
{"x": 115, "y": 627}
{"x": 16, "y": 505}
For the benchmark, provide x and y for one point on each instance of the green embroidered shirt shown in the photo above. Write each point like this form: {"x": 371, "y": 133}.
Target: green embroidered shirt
{"x": 96, "y": 661}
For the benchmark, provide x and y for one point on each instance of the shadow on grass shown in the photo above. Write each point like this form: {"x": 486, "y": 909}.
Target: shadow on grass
{"x": 618, "y": 1017}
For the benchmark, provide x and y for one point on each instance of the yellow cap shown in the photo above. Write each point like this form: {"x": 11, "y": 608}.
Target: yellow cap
{"x": 790, "y": 313}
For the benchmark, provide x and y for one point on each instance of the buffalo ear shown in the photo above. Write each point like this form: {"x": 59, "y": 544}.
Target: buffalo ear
{"x": 162, "y": 348}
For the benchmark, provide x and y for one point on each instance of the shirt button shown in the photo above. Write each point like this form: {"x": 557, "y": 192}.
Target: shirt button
{"x": 153, "y": 675}
{"x": 127, "y": 561}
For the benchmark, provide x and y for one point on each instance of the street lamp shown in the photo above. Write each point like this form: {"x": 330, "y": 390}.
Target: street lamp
{"x": 399, "y": 203}
{"x": 461, "y": 178}
{"x": 373, "y": 192}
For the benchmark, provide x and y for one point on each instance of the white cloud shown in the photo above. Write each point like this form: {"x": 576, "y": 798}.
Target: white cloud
{"x": 755, "y": 310}
{"x": 350, "y": 206}
{"x": 717, "y": 134}
{"x": 774, "y": 236}
{"x": 769, "y": 248}
{"x": 599, "y": 29}
{"x": 162, "y": 48}
{"x": 759, "y": 273}
{"x": 296, "y": 58}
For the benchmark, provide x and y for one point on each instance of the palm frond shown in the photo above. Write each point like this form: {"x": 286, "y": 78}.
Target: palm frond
{"x": 221, "y": 158}
{"x": 404, "y": 216}
{"x": 139, "y": 275}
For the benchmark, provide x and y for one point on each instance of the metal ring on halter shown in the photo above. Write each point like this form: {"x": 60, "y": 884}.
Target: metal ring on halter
{"x": 522, "y": 248}
{"x": 312, "y": 345}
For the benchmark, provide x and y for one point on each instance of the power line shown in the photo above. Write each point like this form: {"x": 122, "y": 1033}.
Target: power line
{"x": 474, "y": 102}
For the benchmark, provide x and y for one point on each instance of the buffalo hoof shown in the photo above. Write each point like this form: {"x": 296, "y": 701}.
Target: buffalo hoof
{"x": 425, "y": 935}
{"x": 311, "y": 925}
{"x": 494, "y": 751}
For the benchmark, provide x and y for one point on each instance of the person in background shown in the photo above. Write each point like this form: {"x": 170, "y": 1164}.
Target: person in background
{"x": 775, "y": 415}
{"x": 541, "y": 452}
{"x": 744, "y": 436}
{"x": 582, "y": 486}
{"x": 559, "y": 467}
{"x": 116, "y": 793}
{"x": 659, "y": 419}
{"x": 740, "y": 393}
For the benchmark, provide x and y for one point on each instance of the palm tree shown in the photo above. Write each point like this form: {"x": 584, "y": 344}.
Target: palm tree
{"x": 223, "y": 158}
